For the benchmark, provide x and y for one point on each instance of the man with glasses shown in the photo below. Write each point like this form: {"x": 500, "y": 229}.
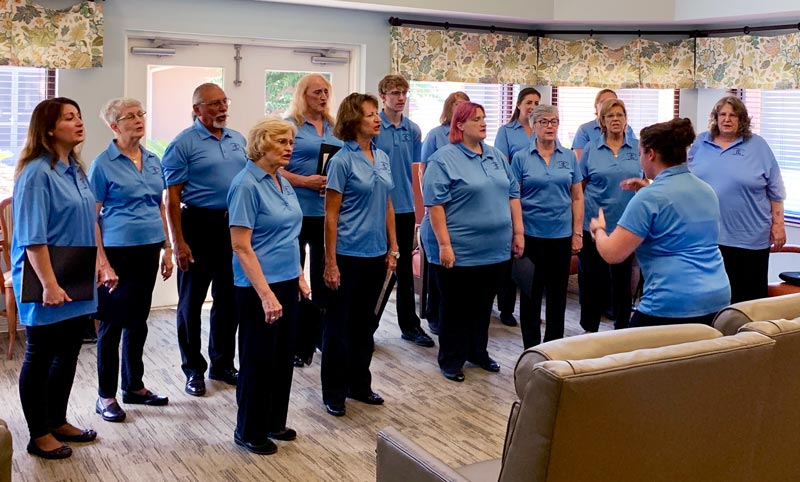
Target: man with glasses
{"x": 401, "y": 140}
{"x": 199, "y": 165}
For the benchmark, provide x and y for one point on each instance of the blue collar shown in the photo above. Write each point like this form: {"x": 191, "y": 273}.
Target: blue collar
{"x": 486, "y": 152}
{"x": 204, "y": 133}
{"x": 386, "y": 123}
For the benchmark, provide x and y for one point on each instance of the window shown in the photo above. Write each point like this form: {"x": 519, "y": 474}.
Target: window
{"x": 644, "y": 106}
{"x": 21, "y": 89}
{"x": 774, "y": 116}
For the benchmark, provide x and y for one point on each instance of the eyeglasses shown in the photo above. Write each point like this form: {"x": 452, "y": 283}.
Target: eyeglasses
{"x": 132, "y": 116}
{"x": 216, "y": 103}
{"x": 548, "y": 122}
{"x": 397, "y": 93}
{"x": 615, "y": 116}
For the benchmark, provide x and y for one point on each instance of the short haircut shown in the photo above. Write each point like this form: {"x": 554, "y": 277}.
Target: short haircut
{"x": 298, "y": 105}
{"x": 113, "y": 108}
{"x": 462, "y": 114}
{"x": 669, "y": 140}
{"x": 197, "y": 95}
{"x": 447, "y": 108}
{"x": 391, "y": 81}
{"x": 542, "y": 110}
{"x": 606, "y": 108}
{"x": 738, "y": 108}
{"x": 261, "y": 138}
{"x": 350, "y": 115}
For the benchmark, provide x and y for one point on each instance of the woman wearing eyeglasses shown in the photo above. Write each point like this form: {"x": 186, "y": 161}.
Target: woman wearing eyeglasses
{"x": 127, "y": 184}
{"x": 552, "y": 213}
{"x": 605, "y": 163}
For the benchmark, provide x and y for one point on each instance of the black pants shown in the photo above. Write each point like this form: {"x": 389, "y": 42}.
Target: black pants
{"x": 467, "y": 293}
{"x": 309, "y": 321}
{"x": 640, "y": 319}
{"x": 551, "y": 258}
{"x": 266, "y": 352}
{"x": 208, "y": 235}
{"x": 747, "y": 272}
{"x": 48, "y": 371}
{"x": 594, "y": 278}
{"x": 506, "y": 293}
{"x": 407, "y": 318}
{"x": 123, "y": 314}
{"x": 433, "y": 302}
{"x": 348, "y": 326}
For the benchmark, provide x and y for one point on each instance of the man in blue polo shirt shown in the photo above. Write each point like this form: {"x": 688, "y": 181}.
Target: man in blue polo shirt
{"x": 401, "y": 140}
{"x": 199, "y": 166}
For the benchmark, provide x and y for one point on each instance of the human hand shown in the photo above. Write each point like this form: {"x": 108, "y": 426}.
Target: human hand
{"x": 518, "y": 245}
{"x": 183, "y": 255}
{"x": 446, "y": 256}
{"x": 272, "y": 307}
{"x": 634, "y": 184}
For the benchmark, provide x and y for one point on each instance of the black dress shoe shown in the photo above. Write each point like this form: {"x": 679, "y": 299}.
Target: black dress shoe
{"x": 148, "y": 398}
{"x": 335, "y": 409}
{"x": 111, "y": 413}
{"x": 229, "y": 376}
{"x": 418, "y": 337}
{"x": 371, "y": 398}
{"x": 286, "y": 435}
{"x": 263, "y": 448}
{"x": 489, "y": 365}
{"x": 58, "y": 453}
{"x": 195, "y": 386}
{"x": 433, "y": 326}
{"x": 86, "y": 435}
{"x": 508, "y": 319}
{"x": 456, "y": 376}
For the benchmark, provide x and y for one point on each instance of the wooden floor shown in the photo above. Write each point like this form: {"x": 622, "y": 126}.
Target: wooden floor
{"x": 192, "y": 438}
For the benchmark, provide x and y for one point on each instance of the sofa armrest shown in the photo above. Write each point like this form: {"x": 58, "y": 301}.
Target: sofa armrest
{"x": 401, "y": 460}
{"x": 5, "y": 453}
{"x": 730, "y": 319}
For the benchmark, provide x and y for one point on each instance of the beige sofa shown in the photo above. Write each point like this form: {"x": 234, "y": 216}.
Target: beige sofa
{"x": 672, "y": 403}
{"x": 5, "y": 453}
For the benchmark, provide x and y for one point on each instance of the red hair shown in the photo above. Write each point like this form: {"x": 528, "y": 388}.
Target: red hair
{"x": 463, "y": 112}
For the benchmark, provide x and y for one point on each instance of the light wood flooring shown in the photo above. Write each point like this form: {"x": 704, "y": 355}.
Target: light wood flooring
{"x": 192, "y": 438}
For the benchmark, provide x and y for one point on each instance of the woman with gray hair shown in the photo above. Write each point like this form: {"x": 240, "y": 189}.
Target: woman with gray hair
{"x": 552, "y": 215}
{"x": 127, "y": 184}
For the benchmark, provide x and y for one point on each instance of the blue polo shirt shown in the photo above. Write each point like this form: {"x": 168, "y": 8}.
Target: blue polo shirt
{"x": 55, "y": 207}
{"x": 255, "y": 202}
{"x": 403, "y": 145}
{"x": 204, "y": 164}
{"x": 437, "y": 137}
{"x": 603, "y": 172}
{"x": 365, "y": 188}
{"x": 131, "y": 212}
{"x": 305, "y": 158}
{"x": 678, "y": 218}
{"x": 590, "y": 132}
{"x": 546, "y": 190}
{"x": 512, "y": 138}
{"x": 475, "y": 190}
{"x": 746, "y": 178}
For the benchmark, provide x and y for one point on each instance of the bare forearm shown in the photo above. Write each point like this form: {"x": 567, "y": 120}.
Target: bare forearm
{"x": 173, "y": 210}
{"x": 776, "y": 207}
{"x": 391, "y": 233}
{"x": 39, "y": 257}
{"x": 439, "y": 225}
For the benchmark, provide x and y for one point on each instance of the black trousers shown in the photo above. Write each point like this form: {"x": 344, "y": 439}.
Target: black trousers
{"x": 467, "y": 293}
{"x": 551, "y": 258}
{"x": 433, "y": 302}
{"x": 266, "y": 352}
{"x": 506, "y": 293}
{"x": 48, "y": 370}
{"x": 208, "y": 235}
{"x": 348, "y": 326}
{"x": 309, "y": 322}
{"x": 640, "y": 319}
{"x": 594, "y": 278}
{"x": 123, "y": 314}
{"x": 748, "y": 272}
{"x": 407, "y": 318}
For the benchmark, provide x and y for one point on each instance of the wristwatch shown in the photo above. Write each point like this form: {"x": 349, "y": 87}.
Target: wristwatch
{"x": 396, "y": 254}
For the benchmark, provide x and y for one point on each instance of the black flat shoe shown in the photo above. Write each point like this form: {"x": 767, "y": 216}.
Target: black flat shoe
{"x": 335, "y": 409}
{"x": 195, "y": 386}
{"x": 149, "y": 398}
{"x": 87, "y": 435}
{"x": 298, "y": 362}
{"x": 229, "y": 376}
{"x": 111, "y": 413}
{"x": 419, "y": 338}
{"x": 370, "y": 399}
{"x": 59, "y": 453}
{"x": 287, "y": 434}
{"x": 490, "y": 366}
{"x": 264, "y": 448}
{"x": 456, "y": 376}
{"x": 508, "y": 319}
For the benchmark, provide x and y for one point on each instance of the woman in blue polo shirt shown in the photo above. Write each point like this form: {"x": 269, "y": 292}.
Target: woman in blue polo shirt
{"x": 743, "y": 171}
{"x": 673, "y": 225}
{"x": 552, "y": 211}
{"x": 265, "y": 219}
{"x": 590, "y": 131}
{"x": 360, "y": 251}
{"x": 604, "y": 165}
{"x": 127, "y": 184}
{"x": 310, "y": 113}
{"x": 53, "y": 206}
{"x": 472, "y": 227}
{"x": 513, "y": 137}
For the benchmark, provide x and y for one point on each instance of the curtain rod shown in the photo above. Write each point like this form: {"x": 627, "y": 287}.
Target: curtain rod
{"x": 397, "y": 22}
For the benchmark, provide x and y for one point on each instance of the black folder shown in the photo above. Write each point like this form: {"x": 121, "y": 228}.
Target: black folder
{"x": 326, "y": 151}
{"x": 386, "y": 291}
{"x": 74, "y": 267}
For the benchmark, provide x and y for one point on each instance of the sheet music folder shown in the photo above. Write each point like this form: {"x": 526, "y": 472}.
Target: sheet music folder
{"x": 74, "y": 267}
{"x": 326, "y": 151}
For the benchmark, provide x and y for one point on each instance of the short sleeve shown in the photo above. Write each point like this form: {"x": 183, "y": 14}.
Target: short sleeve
{"x": 577, "y": 174}
{"x": 435, "y": 183}
{"x": 175, "y": 164}
{"x": 776, "y": 191}
{"x": 30, "y": 222}
{"x": 417, "y": 145}
{"x": 242, "y": 205}
{"x": 337, "y": 172}
{"x": 501, "y": 141}
{"x": 581, "y": 138}
{"x": 98, "y": 181}
{"x": 428, "y": 147}
{"x": 583, "y": 165}
{"x": 639, "y": 214}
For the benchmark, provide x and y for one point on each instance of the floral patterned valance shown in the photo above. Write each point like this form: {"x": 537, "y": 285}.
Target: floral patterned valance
{"x": 587, "y": 62}
{"x": 34, "y": 36}
{"x": 749, "y": 62}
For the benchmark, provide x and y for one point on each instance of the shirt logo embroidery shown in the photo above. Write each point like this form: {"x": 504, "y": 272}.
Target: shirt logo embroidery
{"x": 563, "y": 165}
{"x": 236, "y": 147}
{"x": 405, "y": 137}
{"x": 154, "y": 170}
{"x": 631, "y": 157}
{"x": 738, "y": 151}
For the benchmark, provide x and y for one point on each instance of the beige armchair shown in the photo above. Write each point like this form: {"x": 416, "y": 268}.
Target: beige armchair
{"x": 6, "y": 451}
{"x": 733, "y": 317}
{"x": 672, "y": 403}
